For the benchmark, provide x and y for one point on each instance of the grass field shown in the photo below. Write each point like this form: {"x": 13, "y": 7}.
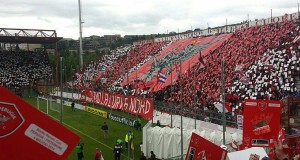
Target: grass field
{"x": 88, "y": 127}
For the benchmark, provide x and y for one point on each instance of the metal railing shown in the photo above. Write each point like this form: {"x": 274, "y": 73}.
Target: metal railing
{"x": 212, "y": 116}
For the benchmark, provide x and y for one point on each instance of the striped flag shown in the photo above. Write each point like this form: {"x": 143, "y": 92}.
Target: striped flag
{"x": 161, "y": 77}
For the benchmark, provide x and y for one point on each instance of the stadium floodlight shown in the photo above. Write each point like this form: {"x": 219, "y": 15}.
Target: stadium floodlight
{"x": 181, "y": 112}
{"x": 61, "y": 88}
{"x": 80, "y": 37}
{"x": 298, "y": 12}
{"x": 223, "y": 99}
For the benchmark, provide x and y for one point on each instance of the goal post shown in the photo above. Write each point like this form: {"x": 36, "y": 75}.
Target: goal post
{"x": 45, "y": 103}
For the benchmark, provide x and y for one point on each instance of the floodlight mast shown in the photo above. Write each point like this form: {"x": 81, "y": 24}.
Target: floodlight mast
{"x": 80, "y": 37}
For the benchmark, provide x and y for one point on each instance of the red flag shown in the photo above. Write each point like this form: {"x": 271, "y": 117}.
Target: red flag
{"x": 27, "y": 133}
{"x": 261, "y": 122}
{"x": 201, "y": 60}
{"x": 97, "y": 77}
{"x": 200, "y": 148}
{"x": 281, "y": 135}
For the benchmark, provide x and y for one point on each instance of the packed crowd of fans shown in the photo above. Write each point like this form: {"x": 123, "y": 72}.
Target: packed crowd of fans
{"x": 23, "y": 68}
{"x": 135, "y": 56}
{"x": 110, "y": 71}
{"x": 259, "y": 63}
{"x": 241, "y": 52}
{"x": 95, "y": 70}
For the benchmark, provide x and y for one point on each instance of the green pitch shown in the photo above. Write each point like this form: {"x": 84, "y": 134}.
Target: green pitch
{"x": 88, "y": 127}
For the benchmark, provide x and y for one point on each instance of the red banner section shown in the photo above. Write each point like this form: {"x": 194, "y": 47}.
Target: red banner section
{"x": 26, "y": 133}
{"x": 200, "y": 148}
{"x": 261, "y": 122}
{"x": 134, "y": 105}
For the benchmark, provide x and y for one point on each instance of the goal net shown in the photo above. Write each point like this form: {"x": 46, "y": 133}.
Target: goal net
{"x": 45, "y": 104}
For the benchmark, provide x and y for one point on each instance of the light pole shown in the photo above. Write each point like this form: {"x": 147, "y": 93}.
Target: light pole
{"x": 223, "y": 99}
{"x": 80, "y": 37}
{"x": 61, "y": 88}
{"x": 181, "y": 112}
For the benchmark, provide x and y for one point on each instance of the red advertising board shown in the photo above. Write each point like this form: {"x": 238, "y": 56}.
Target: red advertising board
{"x": 261, "y": 122}
{"x": 26, "y": 133}
{"x": 130, "y": 104}
{"x": 200, "y": 148}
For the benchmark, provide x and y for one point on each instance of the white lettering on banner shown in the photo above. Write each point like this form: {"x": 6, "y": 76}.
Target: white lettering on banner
{"x": 113, "y": 102}
{"x": 122, "y": 102}
{"x": 148, "y": 107}
{"x": 96, "y": 97}
{"x": 106, "y": 99}
{"x": 125, "y": 107}
{"x": 118, "y": 102}
{"x": 139, "y": 104}
{"x": 46, "y": 139}
{"x": 142, "y": 107}
{"x": 130, "y": 104}
{"x": 109, "y": 104}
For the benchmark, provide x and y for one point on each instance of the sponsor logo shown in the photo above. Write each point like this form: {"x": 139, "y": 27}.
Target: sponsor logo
{"x": 121, "y": 119}
{"x": 10, "y": 119}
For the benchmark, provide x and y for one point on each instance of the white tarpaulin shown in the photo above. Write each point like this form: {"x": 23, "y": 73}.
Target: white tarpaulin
{"x": 166, "y": 142}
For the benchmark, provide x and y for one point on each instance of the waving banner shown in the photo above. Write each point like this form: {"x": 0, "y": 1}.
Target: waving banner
{"x": 26, "y": 133}
{"x": 131, "y": 104}
{"x": 261, "y": 122}
{"x": 200, "y": 148}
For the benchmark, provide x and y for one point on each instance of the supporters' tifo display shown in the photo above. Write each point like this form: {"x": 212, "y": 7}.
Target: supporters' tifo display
{"x": 260, "y": 62}
{"x": 243, "y": 70}
{"x": 23, "y": 68}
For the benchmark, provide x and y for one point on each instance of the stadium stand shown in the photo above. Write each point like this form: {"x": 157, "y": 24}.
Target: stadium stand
{"x": 23, "y": 68}
{"x": 242, "y": 50}
{"x": 96, "y": 70}
{"x": 261, "y": 62}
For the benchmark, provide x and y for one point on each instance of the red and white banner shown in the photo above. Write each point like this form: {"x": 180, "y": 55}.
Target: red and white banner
{"x": 130, "y": 104}
{"x": 26, "y": 133}
{"x": 261, "y": 122}
{"x": 200, "y": 148}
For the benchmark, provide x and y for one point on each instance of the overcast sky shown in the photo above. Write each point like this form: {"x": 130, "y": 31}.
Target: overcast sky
{"x": 127, "y": 17}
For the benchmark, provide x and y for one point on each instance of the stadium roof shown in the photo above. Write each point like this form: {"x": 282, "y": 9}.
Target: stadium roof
{"x": 33, "y": 36}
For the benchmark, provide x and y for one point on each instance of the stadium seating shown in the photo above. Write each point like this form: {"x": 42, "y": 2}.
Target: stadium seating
{"x": 19, "y": 69}
{"x": 240, "y": 52}
{"x": 260, "y": 63}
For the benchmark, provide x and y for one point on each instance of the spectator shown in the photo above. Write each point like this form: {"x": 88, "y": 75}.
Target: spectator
{"x": 73, "y": 106}
{"x": 97, "y": 154}
{"x": 139, "y": 124}
{"x": 79, "y": 151}
{"x": 143, "y": 157}
{"x": 152, "y": 156}
{"x": 128, "y": 139}
{"x": 158, "y": 123}
{"x": 117, "y": 151}
{"x": 105, "y": 130}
